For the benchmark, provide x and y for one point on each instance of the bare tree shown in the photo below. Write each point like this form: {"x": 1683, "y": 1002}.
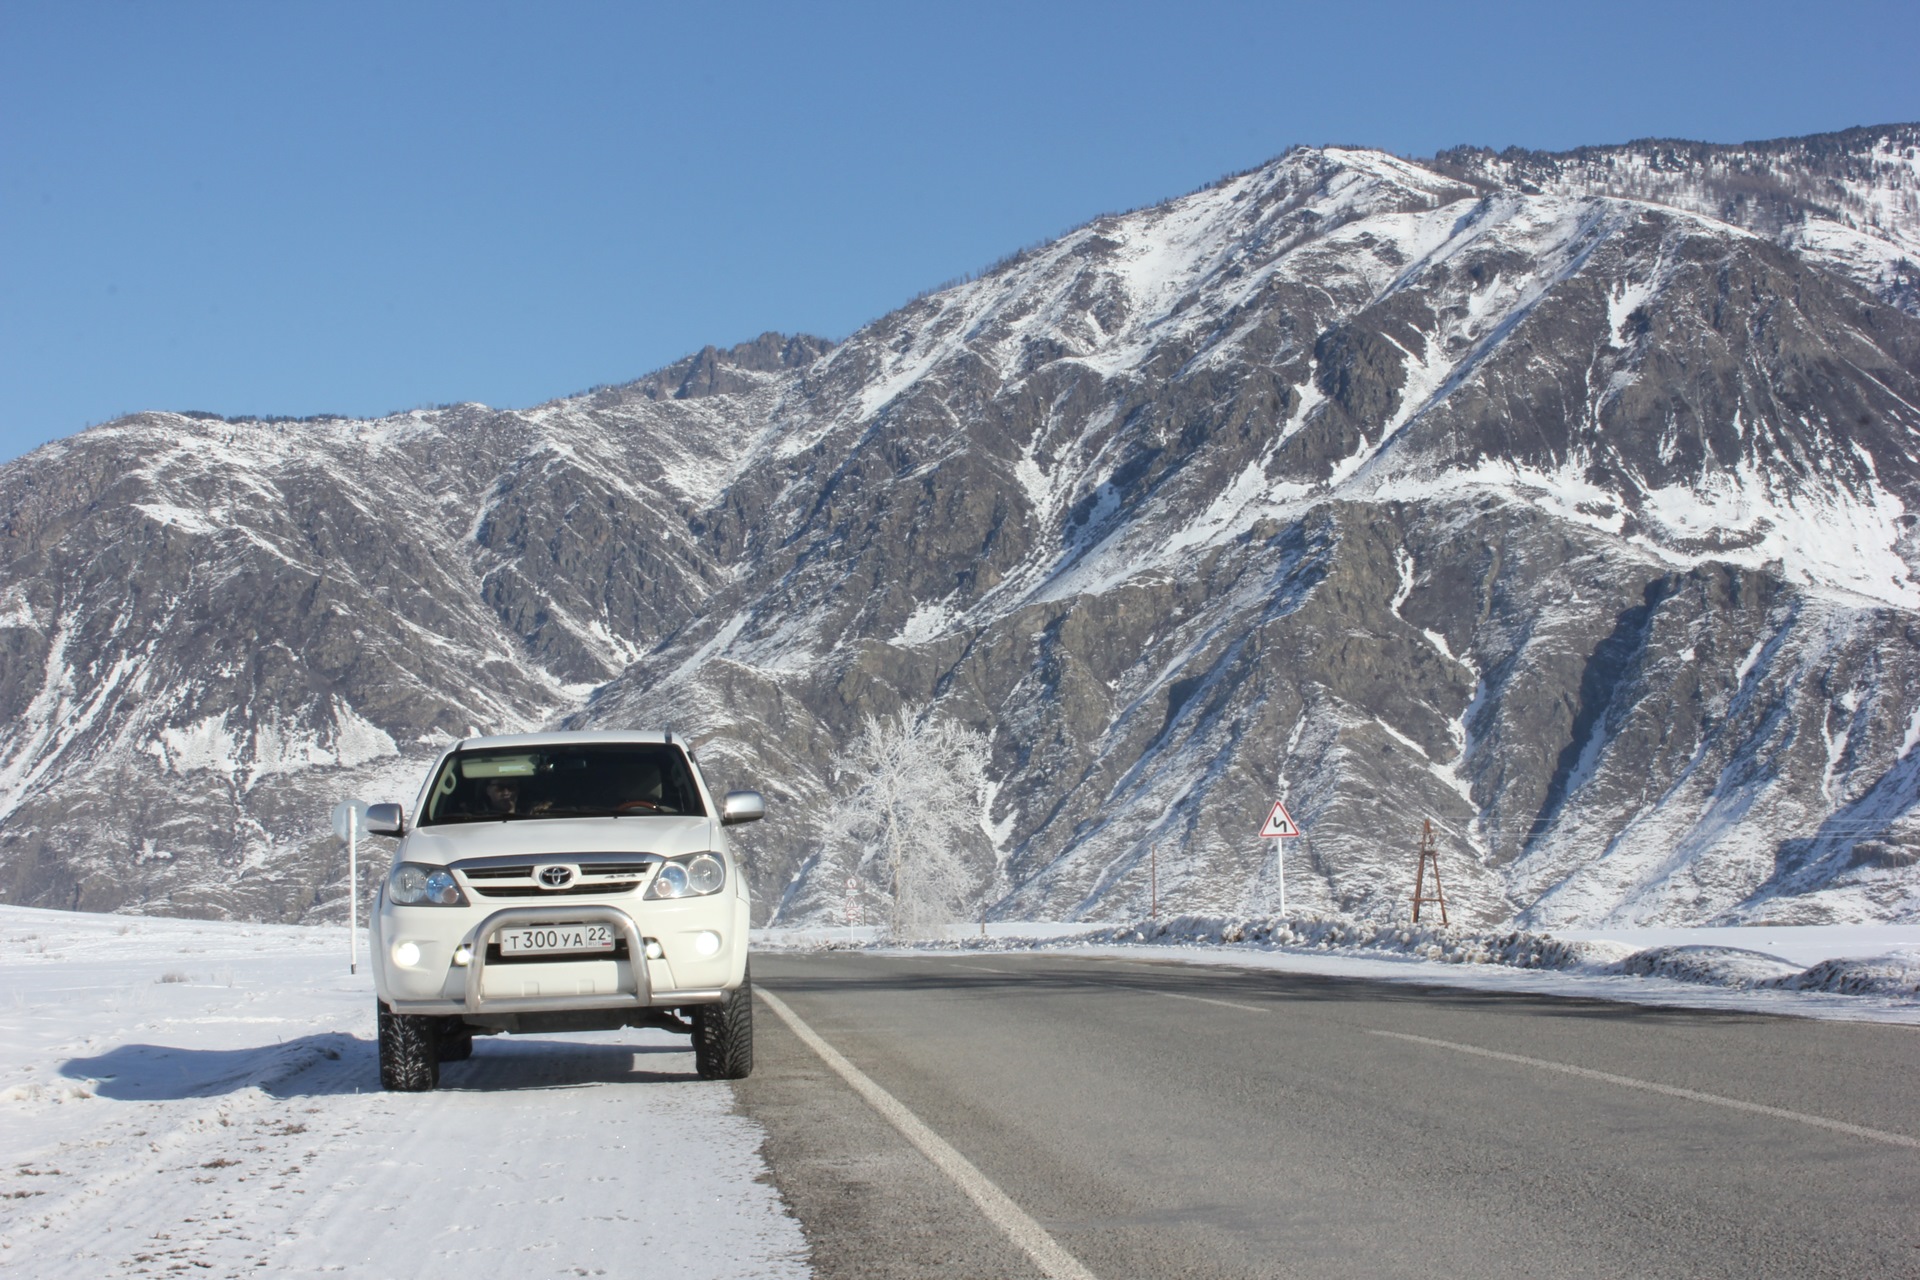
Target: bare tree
{"x": 916, "y": 782}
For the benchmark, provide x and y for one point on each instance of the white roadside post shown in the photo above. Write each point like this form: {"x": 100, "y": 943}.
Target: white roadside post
{"x": 1279, "y": 826}
{"x": 349, "y": 823}
{"x": 853, "y": 907}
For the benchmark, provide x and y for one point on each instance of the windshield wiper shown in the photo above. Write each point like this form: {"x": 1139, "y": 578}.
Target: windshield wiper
{"x": 555, "y": 812}
{"x": 616, "y": 812}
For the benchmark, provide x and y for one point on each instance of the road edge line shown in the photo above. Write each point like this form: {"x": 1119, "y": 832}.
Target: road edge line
{"x": 995, "y": 1204}
{"x": 1670, "y": 1090}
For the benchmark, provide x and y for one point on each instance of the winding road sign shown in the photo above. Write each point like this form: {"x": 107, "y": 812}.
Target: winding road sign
{"x": 1280, "y": 822}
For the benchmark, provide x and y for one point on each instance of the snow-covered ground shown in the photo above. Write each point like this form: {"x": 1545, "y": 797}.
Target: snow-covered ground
{"x": 804, "y": 937}
{"x": 203, "y": 1097}
{"x": 1801, "y": 945}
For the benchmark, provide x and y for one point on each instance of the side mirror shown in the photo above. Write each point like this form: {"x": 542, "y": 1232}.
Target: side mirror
{"x": 743, "y": 806}
{"x": 386, "y": 820}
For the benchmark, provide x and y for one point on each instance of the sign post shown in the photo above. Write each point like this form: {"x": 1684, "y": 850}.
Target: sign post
{"x": 853, "y": 907}
{"x": 1279, "y": 826}
{"x": 349, "y": 824}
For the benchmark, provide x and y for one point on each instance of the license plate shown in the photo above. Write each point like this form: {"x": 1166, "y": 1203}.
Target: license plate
{"x": 536, "y": 939}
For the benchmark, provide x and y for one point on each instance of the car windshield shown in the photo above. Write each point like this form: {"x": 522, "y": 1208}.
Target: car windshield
{"x": 597, "y": 780}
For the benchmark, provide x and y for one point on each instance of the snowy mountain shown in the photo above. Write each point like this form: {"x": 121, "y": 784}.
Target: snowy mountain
{"x": 1848, "y": 201}
{"x": 1567, "y": 501}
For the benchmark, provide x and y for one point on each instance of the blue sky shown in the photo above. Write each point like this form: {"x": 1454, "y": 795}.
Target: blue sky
{"x": 291, "y": 209}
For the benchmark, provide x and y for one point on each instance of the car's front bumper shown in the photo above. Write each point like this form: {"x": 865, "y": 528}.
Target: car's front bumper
{"x": 437, "y": 939}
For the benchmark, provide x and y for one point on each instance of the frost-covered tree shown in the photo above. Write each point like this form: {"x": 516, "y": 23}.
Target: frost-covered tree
{"x": 913, "y": 801}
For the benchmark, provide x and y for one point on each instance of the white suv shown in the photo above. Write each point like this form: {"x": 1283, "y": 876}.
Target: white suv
{"x": 562, "y": 882}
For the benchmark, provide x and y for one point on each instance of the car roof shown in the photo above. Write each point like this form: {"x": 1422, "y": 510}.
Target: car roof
{"x": 565, "y": 737}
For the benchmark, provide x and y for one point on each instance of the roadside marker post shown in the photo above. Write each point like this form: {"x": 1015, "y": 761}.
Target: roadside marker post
{"x": 349, "y": 823}
{"x": 1280, "y": 826}
{"x": 1429, "y": 857}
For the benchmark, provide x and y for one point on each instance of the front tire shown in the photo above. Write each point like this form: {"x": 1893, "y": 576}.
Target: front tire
{"x": 409, "y": 1051}
{"x": 723, "y": 1035}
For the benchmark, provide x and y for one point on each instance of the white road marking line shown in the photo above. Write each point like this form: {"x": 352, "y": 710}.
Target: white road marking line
{"x": 1224, "y": 1004}
{"x": 1671, "y": 1091}
{"x": 1588, "y": 1073}
{"x": 993, "y": 1202}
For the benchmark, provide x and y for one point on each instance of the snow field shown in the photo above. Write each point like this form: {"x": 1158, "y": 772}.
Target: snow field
{"x": 204, "y": 1097}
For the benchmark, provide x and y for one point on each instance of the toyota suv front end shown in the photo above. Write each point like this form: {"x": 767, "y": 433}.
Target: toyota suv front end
{"x": 562, "y": 882}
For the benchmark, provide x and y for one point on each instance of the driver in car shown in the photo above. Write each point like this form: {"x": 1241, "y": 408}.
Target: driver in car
{"x": 503, "y": 797}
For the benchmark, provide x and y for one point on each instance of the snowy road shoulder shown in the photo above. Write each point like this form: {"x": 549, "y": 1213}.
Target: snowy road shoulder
{"x": 187, "y": 1094}
{"x": 1864, "y": 973}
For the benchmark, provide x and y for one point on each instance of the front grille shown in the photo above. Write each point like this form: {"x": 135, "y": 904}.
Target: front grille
{"x": 572, "y": 890}
{"x": 497, "y": 873}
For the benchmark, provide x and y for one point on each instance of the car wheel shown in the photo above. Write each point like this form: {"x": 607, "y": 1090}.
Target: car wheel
{"x": 409, "y": 1051}
{"x": 723, "y": 1035}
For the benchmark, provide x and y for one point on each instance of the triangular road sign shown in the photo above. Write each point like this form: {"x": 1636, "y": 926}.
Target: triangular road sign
{"x": 1280, "y": 822}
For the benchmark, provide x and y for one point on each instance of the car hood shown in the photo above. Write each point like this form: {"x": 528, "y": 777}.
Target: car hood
{"x": 557, "y": 837}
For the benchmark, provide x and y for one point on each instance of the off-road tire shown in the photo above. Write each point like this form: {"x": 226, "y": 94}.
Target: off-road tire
{"x": 409, "y": 1051}
{"x": 456, "y": 1040}
{"x": 723, "y": 1035}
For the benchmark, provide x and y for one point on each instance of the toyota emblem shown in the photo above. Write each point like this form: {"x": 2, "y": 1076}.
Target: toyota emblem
{"x": 555, "y": 877}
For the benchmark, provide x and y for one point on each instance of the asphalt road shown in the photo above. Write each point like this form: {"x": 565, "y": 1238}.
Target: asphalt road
{"x": 1162, "y": 1120}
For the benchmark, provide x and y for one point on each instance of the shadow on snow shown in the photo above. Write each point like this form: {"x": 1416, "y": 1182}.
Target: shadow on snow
{"x": 334, "y": 1063}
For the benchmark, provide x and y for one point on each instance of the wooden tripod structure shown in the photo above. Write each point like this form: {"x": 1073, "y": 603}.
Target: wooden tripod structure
{"x": 1429, "y": 858}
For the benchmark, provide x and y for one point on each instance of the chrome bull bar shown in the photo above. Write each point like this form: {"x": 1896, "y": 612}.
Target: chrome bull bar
{"x": 640, "y": 997}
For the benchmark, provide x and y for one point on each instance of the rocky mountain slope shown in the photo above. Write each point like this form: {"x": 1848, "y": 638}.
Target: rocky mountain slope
{"x": 1575, "y": 514}
{"x": 1848, "y": 201}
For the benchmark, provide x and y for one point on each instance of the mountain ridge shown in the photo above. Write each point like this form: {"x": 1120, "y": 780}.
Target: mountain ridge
{"x": 1579, "y": 523}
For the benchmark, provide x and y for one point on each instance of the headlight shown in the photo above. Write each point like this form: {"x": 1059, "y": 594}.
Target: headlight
{"x": 412, "y": 885}
{"x": 693, "y": 876}
{"x": 705, "y": 874}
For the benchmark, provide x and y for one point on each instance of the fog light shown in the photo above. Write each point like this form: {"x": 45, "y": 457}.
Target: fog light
{"x": 463, "y": 955}
{"x": 706, "y": 942}
{"x": 406, "y": 954}
{"x": 654, "y": 949}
